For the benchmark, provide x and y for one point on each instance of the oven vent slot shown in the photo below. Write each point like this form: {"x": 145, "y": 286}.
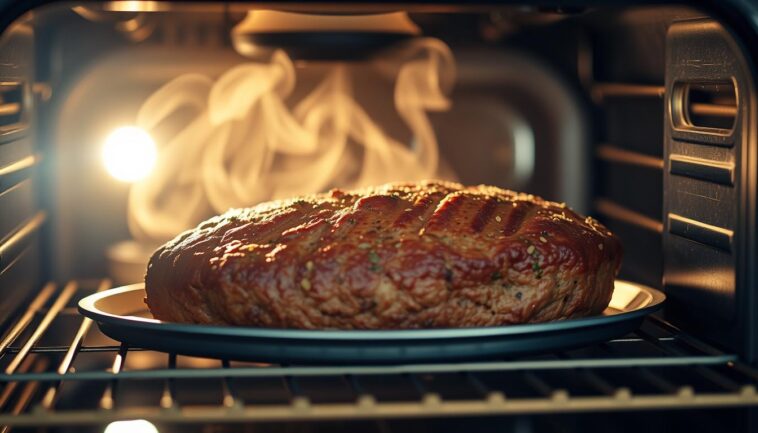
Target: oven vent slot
{"x": 701, "y": 232}
{"x": 709, "y": 106}
{"x": 11, "y": 105}
{"x": 703, "y": 169}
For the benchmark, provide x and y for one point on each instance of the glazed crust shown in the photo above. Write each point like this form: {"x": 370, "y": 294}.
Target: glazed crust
{"x": 406, "y": 255}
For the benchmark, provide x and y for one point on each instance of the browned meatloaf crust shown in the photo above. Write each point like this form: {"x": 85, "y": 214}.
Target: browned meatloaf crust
{"x": 405, "y": 255}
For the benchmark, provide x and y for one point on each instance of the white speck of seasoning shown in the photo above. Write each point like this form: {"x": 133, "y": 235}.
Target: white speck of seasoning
{"x": 530, "y": 250}
{"x": 542, "y": 238}
{"x": 420, "y": 218}
{"x": 364, "y": 246}
{"x": 515, "y": 204}
{"x": 498, "y": 219}
{"x": 408, "y": 210}
{"x": 600, "y": 247}
{"x": 305, "y": 284}
{"x": 309, "y": 265}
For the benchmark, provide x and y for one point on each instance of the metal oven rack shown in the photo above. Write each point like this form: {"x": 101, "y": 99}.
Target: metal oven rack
{"x": 60, "y": 370}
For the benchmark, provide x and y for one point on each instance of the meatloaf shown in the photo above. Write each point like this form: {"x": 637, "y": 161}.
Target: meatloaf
{"x": 405, "y": 255}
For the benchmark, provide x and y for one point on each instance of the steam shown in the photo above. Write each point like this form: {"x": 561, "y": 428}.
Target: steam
{"x": 243, "y": 145}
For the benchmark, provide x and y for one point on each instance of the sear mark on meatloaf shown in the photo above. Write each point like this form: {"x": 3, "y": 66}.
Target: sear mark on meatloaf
{"x": 404, "y": 255}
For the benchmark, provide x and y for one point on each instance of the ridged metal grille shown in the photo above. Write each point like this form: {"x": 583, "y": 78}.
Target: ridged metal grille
{"x": 58, "y": 369}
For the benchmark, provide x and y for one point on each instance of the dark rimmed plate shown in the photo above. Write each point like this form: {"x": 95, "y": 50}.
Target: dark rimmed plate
{"x": 122, "y": 315}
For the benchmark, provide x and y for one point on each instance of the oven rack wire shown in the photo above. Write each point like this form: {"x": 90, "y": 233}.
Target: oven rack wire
{"x": 46, "y": 380}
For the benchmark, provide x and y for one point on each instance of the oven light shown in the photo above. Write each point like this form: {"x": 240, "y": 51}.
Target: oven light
{"x": 129, "y": 154}
{"x": 131, "y": 426}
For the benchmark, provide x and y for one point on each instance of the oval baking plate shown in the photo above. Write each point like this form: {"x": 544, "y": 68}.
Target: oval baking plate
{"x": 121, "y": 314}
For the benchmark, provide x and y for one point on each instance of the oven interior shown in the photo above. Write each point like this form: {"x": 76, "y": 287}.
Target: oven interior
{"x": 643, "y": 117}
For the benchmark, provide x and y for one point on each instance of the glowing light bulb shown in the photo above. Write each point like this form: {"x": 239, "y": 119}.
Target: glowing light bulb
{"x": 129, "y": 154}
{"x": 131, "y": 426}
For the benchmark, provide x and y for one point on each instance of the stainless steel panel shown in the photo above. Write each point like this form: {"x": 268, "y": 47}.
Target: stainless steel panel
{"x": 706, "y": 189}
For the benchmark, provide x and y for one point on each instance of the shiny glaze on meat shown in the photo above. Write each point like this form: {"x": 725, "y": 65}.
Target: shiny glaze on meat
{"x": 405, "y": 255}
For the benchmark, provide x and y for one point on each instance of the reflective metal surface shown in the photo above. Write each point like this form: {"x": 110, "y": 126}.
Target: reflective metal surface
{"x": 122, "y": 314}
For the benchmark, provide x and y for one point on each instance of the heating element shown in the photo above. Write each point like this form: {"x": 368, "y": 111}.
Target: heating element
{"x": 79, "y": 376}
